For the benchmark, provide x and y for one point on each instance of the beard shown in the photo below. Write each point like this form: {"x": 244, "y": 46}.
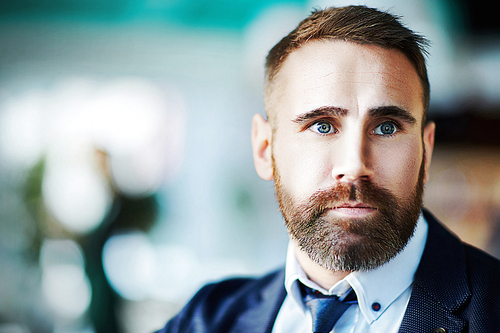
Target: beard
{"x": 351, "y": 244}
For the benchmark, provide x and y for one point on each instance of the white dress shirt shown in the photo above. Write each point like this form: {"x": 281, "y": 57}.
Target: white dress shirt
{"x": 382, "y": 293}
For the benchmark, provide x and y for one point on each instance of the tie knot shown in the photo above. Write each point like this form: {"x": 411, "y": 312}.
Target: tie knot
{"x": 325, "y": 309}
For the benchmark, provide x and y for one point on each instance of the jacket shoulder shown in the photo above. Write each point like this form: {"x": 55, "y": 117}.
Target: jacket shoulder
{"x": 483, "y": 272}
{"x": 480, "y": 261}
{"x": 216, "y": 306}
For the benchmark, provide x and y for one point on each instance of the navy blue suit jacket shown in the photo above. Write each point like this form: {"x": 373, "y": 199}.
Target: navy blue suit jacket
{"x": 456, "y": 289}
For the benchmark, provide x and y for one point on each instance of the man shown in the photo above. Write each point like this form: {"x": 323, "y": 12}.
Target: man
{"x": 348, "y": 147}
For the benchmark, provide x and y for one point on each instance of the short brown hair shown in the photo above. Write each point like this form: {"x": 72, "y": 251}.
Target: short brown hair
{"x": 358, "y": 24}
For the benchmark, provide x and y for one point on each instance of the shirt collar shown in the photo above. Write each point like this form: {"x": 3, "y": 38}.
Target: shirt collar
{"x": 382, "y": 285}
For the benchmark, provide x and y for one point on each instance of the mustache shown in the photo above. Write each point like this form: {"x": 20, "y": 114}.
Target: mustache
{"x": 361, "y": 191}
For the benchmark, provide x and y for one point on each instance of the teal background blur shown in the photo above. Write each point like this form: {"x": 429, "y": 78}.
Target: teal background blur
{"x": 126, "y": 175}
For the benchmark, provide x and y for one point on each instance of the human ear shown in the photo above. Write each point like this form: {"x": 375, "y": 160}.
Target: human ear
{"x": 261, "y": 147}
{"x": 428, "y": 139}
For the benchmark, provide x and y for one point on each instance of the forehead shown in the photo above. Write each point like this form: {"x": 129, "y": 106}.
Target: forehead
{"x": 347, "y": 75}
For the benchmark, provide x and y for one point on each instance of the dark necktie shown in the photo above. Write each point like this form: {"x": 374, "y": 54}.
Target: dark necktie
{"x": 325, "y": 310}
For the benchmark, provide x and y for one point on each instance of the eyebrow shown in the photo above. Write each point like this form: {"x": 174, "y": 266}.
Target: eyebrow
{"x": 393, "y": 111}
{"x": 333, "y": 111}
{"x": 324, "y": 111}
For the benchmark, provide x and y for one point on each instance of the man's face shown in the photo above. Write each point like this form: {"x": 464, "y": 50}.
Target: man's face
{"x": 347, "y": 151}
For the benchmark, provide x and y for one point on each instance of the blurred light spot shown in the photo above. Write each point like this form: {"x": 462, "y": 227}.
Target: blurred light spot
{"x": 65, "y": 286}
{"x": 488, "y": 71}
{"x": 130, "y": 113}
{"x": 129, "y": 264}
{"x": 140, "y": 126}
{"x": 77, "y": 196}
{"x": 59, "y": 251}
{"x": 137, "y": 270}
{"x": 66, "y": 290}
{"x": 66, "y": 120}
{"x": 21, "y": 140}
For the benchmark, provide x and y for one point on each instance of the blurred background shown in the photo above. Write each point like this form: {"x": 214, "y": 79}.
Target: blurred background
{"x": 126, "y": 175}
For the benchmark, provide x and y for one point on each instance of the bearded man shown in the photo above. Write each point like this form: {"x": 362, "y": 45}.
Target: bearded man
{"x": 348, "y": 146}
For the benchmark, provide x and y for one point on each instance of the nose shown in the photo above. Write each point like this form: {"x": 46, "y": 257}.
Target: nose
{"x": 352, "y": 160}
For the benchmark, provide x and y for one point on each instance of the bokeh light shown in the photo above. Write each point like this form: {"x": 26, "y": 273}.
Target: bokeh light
{"x": 64, "y": 284}
{"x": 129, "y": 264}
{"x": 77, "y": 196}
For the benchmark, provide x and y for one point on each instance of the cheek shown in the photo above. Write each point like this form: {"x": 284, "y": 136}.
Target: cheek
{"x": 302, "y": 168}
{"x": 397, "y": 169}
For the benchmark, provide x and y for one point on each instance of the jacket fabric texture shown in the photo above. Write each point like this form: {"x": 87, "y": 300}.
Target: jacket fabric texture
{"x": 456, "y": 289}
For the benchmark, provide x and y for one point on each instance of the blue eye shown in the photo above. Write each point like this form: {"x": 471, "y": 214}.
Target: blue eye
{"x": 323, "y": 127}
{"x": 387, "y": 128}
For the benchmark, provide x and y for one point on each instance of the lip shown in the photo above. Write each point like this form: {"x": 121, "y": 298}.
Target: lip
{"x": 354, "y": 209}
{"x": 354, "y": 205}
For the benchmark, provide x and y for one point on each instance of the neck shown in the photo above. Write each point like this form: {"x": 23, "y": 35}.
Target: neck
{"x": 323, "y": 277}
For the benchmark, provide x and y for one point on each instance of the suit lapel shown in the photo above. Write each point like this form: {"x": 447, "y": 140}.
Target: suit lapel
{"x": 260, "y": 317}
{"x": 440, "y": 286}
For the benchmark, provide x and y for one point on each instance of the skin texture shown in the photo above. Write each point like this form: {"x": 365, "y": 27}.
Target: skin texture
{"x": 367, "y": 101}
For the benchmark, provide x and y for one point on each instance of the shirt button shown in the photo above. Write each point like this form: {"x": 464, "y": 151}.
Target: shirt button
{"x": 376, "y": 307}
{"x": 439, "y": 330}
